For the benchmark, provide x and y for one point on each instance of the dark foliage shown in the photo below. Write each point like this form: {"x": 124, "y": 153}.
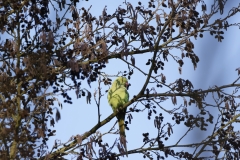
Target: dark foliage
{"x": 32, "y": 64}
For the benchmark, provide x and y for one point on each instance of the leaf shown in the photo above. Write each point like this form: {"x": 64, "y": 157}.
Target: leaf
{"x": 185, "y": 102}
{"x": 221, "y": 6}
{"x": 163, "y": 78}
{"x": 204, "y": 7}
{"x": 227, "y": 105}
{"x": 57, "y": 63}
{"x": 166, "y": 153}
{"x": 157, "y": 123}
{"x": 133, "y": 60}
{"x": 183, "y": 55}
{"x": 170, "y": 130}
{"x": 158, "y": 20}
{"x": 58, "y": 115}
{"x": 185, "y": 111}
{"x": 79, "y": 139}
{"x": 89, "y": 82}
{"x": 238, "y": 69}
{"x": 219, "y": 95}
{"x": 124, "y": 43}
{"x": 77, "y": 92}
{"x": 63, "y": 3}
{"x": 147, "y": 90}
{"x": 104, "y": 48}
{"x": 180, "y": 70}
{"x": 174, "y": 100}
{"x": 126, "y": 53}
{"x": 89, "y": 97}
{"x": 52, "y": 122}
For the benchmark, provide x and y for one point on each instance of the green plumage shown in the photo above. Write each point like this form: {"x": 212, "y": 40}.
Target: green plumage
{"x": 117, "y": 97}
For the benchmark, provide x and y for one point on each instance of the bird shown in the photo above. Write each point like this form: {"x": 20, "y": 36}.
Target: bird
{"x": 118, "y": 96}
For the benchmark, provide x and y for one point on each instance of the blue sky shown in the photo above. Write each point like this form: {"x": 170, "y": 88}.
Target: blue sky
{"x": 217, "y": 65}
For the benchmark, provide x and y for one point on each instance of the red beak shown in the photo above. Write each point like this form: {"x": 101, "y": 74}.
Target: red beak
{"x": 127, "y": 85}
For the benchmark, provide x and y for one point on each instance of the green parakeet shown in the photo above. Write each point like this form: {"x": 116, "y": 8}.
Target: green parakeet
{"x": 117, "y": 97}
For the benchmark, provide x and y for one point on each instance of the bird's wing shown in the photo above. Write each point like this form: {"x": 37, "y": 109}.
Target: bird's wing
{"x": 117, "y": 98}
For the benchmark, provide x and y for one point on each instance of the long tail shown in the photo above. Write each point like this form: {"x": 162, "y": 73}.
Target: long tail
{"x": 121, "y": 127}
{"x": 122, "y": 134}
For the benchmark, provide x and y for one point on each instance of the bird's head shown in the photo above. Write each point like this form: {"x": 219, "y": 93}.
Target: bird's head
{"x": 121, "y": 81}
